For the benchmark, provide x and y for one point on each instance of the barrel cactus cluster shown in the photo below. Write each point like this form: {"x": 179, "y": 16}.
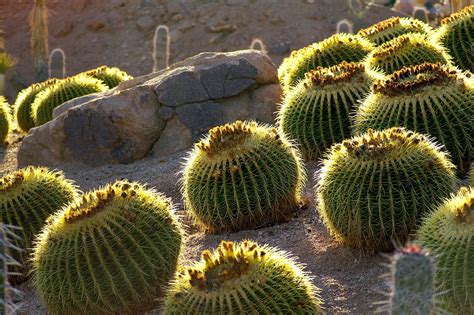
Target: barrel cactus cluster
{"x": 5, "y": 119}
{"x": 243, "y": 278}
{"x": 111, "y": 77}
{"x": 242, "y": 175}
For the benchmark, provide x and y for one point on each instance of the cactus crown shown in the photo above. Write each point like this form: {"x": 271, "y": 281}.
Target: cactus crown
{"x": 464, "y": 208}
{"x": 230, "y": 139}
{"x": 410, "y": 79}
{"x": 225, "y": 266}
{"x": 465, "y": 13}
{"x": 11, "y": 182}
{"x": 341, "y": 73}
{"x": 109, "y": 76}
{"x": 403, "y": 42}
{"x": 380, "y": 144}
{"x": 393, "y": 27}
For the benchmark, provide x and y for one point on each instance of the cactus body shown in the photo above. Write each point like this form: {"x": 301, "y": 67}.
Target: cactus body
{"x": 447, "y": 233}
{"x": 243, "y": 278}
{"x": 111, "y": 77}
{"x": 242, "y": 175}
{"x": 429, "y": 99}
{"x": 111, "y": 252}
{"x": 8, "y": 293}
{"x": 57, "y": 64}
{"x": 471, "y": 176}
{"x": 456, "y": 33}
{"x": 22, "y": 107}
{"x": 257, "y": 44}
{"x": 389, "y": 29}
{"x": 27, "y": 198}
{"x": 5, "y": 119}
{"x": 161, "y": 48}
{"x": 316, "y": 112}
{"x": 374, "y": 188}
{"x": 404, "y": 51}
{"x": 412, "y": 283}
{"x": 62, "y": 91}
{"x": 329, "y": 52}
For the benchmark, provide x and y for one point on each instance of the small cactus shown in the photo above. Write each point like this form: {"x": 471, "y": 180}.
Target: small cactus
{"x": 389, "y": 29}
{"x": 428, "y": 98}
{"x": 345, "y": 26}
{"x": 111, "y": 77}
{"x": 375, "y": 188}
{"x": 412, "y": 283}
{"x": 421, "y": 14}
{"x": 243, "y": 278}
{"x": 5, "y": 119}
{"x": 62, "y": 91}
{"x": 447, "y": 233}
{"x": 8, "y": 293}
{"x": 57, "y": 64}
{"x": 257, "y": 44}
{"x": 329, "y": 52}
{"x": 161, "y": 48}
{"x": 316, "y": 113}
{"x": 27, "y": 198}
{"x": 404, "y": 51}
{"x": 23, "y": 102}
{"x": 242, "y": 175}
{"x": 456, "y": 34}
{"x": 111, "y": 252}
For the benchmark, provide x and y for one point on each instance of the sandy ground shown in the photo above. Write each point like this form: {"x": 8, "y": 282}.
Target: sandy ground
{"x": 350, "y": 280}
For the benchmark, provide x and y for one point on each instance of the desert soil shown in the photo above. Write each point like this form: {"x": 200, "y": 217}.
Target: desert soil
{"x": 119, "y": 33}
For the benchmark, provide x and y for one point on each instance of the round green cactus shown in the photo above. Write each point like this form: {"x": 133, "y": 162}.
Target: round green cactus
{"x": 27, "y": 198}
{"x": 404, "y": 51}
{"x": 111, "y": 252}
{"x": 456, "y": 33}
{"x": 23, "y": 102}
{"x": 62, "y": 91}
{"x": 243, "y": 278}
{"x": 329, "y": 52}
{"x": 316, "y": 112}
{"x": 447, "y": 233}
{"x": 427, "y": 98}
{"x": 109, "y": 76}
{"x": 374, "y": 189}
{"x": 393, "y": 27}
{"x": 5, "y": 119}
{"x": 242, "y": 175}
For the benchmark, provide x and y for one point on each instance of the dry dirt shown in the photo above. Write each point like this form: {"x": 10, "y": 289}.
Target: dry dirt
{"x": 119, "y": 33}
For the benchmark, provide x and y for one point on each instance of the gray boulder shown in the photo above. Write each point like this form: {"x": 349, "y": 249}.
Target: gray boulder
{"x": 157, "y": 114}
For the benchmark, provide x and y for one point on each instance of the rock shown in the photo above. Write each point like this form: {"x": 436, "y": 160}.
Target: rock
{"x": 157, "y": 114}
{"x": 64, "y": 29}
{"x": 145, "y": 24}
{"x": 169, "y": 143}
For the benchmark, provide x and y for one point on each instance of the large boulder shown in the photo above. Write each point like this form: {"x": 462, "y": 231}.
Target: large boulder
{"x": 157, "y": 114}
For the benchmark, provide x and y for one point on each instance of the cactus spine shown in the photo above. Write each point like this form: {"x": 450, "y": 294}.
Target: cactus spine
{"x": 111, "y": 252}
{"x": 389, "y": 29}
{"x": 405, "y": 51}
{"x": 329, "y": 52}
{"x": 257, "y": 44}
{"x": 27, "y": 198}
{"x": 316, "y": 112}
{"x": 428, "y": 98}
{"x": 243, "y": 278}
{"x": 8, "y": 293}
{"x": 111, "y": 77}
{"x": 412, "y": 283}
{"x": 24, "y": 100}
{"x": 161, "y": 48}
{"x": 57, "y": 64}
{"x": 242, "y": 175}
{"x": 456, "y": 34}
{"x": 62, "y": 91}
{"x": 375, "y": 188}
{"x": 5, "y": 119}
{"x": 447, "y": 233}
{"x": 345, "y": 26}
